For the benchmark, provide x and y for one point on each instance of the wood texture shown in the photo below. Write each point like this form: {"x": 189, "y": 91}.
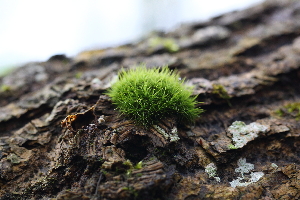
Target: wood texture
{"x": 61, "y": 137}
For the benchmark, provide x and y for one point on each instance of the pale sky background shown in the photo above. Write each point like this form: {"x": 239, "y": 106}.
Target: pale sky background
{"x": 34, "y": 30}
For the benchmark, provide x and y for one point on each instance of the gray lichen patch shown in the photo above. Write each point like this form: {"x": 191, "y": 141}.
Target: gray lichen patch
{"x": 242, "y": 134}
{"x": 247, "y": 176}
{"x": 13, "y": 158}
{"x": 173, "y": 136}
{"x": 211, "y": 170}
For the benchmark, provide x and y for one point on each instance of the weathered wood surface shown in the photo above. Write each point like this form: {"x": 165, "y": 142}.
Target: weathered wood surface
{"x": 245, "y": 66}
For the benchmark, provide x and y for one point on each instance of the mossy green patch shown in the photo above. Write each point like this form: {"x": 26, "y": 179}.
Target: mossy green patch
{"x": 5, "y": 88}
{"x": 78, "y": 75}
{"x": 220, "y": 90}
{"x": 292, "y": 109}
{"x": 168, "y": 43}
{"x": 150, "y": 95}
{"x": 139, "y": 165}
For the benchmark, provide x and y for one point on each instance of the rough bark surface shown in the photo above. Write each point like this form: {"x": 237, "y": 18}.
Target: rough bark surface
{"x": 61, "y": 137}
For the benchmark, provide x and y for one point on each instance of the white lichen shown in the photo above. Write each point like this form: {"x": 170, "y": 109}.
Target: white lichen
{"x": 161, "y": 131}
{"x": 96, "y": 83}
{"x": 255, "y": 176}
{"x": 245, "y": 168}
{"x": 242, "y": 133}
{"x": 173, "y": 135}
{"x": 211, "y": 170}
{"x": 101, "y": 119}
{"x": 273, "y": 165}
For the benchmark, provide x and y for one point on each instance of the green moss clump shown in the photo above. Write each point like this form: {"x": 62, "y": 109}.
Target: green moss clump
{"x": 292, "y": 109}
{"x": 150, "y": 95}
{"x": 167, "y": 43}
{"x": 78, "y": 75}
{"x": 279, "y": 112}
{"x": 5, "y": 88}
{"x": 221, "y": 92}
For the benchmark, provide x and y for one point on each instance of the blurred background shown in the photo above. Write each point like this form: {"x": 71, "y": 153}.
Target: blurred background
{"x": 34, "y": 30}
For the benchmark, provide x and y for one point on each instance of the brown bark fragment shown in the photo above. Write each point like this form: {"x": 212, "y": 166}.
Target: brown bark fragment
{"x": 244, "y": 66}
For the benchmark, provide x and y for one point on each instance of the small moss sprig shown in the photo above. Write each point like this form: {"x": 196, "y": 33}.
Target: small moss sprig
{"x": 292, "y": 109}
{"x": 149, "y": 95}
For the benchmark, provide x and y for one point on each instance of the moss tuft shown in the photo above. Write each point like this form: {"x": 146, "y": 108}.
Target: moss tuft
{"x": 292, "y": 109}
{"x": 167, "y": 43}
{"x": 150, "y": 95}
{"x": 221, "y": 92}
{"x": 5, "y": 88}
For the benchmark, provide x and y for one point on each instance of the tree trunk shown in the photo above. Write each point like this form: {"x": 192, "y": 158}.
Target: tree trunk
{"x": 61, "y": 137}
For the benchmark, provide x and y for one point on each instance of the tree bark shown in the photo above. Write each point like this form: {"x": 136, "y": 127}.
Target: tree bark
{"x": 61, "y": 137}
